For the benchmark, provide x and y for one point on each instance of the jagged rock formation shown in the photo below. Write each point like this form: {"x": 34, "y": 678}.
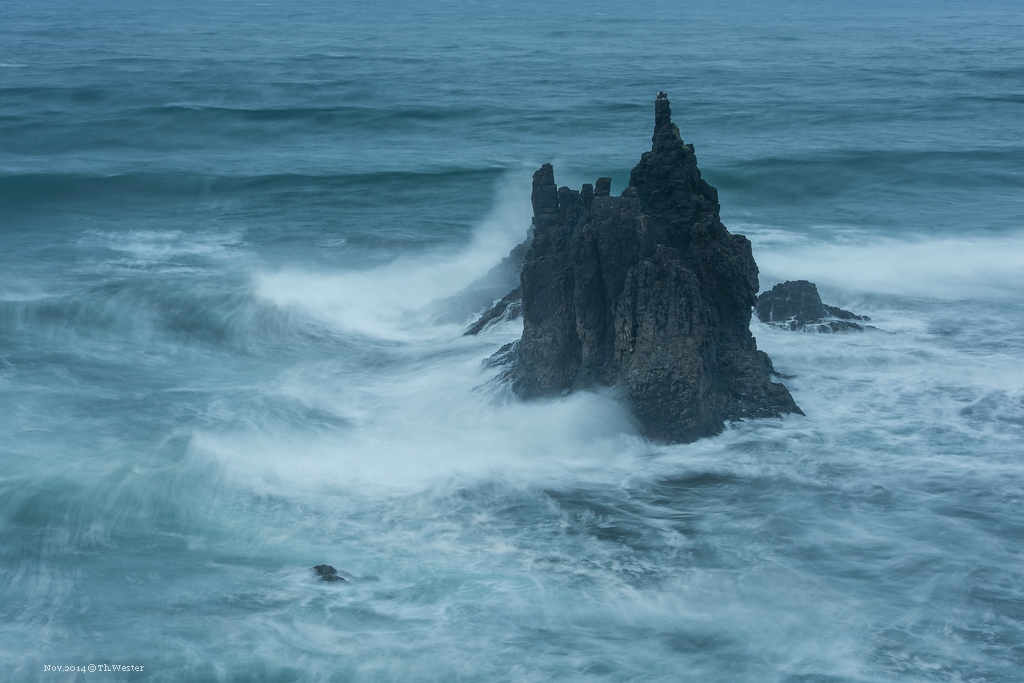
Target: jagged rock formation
{"x": 796, "y": 305}
{"x": 647, "y": 292}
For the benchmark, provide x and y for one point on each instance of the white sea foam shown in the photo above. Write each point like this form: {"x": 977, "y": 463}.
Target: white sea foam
{"x": 940, "y": 267}
{"x": 147, "y": 247}
{"x": 383, "y": 301}
{"x": 432, "y": 414}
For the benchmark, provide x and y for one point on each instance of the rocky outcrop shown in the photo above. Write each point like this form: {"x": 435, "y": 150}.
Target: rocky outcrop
{"x": 647, "y": 292}
{"x": 796, "y": 305}
{"x": 328, "y": 573}
{"x": 509, "y": 307}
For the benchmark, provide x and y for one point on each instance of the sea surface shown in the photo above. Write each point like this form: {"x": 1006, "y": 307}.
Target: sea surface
{"x": 231, "y": 239}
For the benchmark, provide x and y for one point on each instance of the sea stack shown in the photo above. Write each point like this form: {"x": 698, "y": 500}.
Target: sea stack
{"x": 647, "y": 292}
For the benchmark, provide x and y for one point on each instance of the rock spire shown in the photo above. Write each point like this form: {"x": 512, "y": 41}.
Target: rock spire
{"x": 647, "y": 292}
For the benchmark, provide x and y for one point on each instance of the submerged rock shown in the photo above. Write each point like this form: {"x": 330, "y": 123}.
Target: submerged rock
{"x": 483, "y": 292}
{"x": 509, "y": 307}
{"x": 797, "y": 305}
{"x": 328, "y": 573}
{"x": 647, "y": 292}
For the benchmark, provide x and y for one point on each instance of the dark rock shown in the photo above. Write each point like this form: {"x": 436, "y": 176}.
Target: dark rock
{"x": 328, "y": 573}
{"x": 506, "y": 355}
{"x": 509, "y": 307}
{"x": 796, "y": 305}
{"x": 647, "y": 292}
{"x": 513, "y": 263}
{"x": 504, "y": 358}
{"x": 483, "y": 292}
{"x": 837, "y": 312}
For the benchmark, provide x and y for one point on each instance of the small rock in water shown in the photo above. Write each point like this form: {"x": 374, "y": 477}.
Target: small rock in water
{"x": 797, "y": 305}
{"x": 328, "y": 573}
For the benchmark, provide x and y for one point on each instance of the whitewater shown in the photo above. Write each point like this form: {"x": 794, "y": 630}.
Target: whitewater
{"x": 240, "y": 243}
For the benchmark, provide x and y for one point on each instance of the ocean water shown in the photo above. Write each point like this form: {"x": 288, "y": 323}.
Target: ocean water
{"x": 229, "y": 237}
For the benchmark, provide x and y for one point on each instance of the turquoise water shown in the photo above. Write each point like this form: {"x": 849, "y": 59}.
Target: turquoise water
{"x": 224, "y": 232}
